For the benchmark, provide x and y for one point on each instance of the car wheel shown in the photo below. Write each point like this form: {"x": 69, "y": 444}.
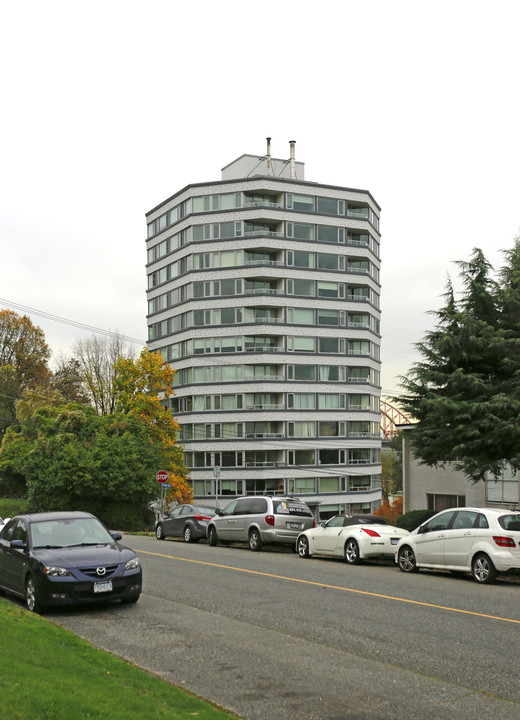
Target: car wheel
{"x": 352, "y": 552}
{"x": 406, "y": 560}
{"x": 212, "y": 536}
{"x": 31, "y": 596}
{"x": 255, "y": 541}
{"x": 482, "y": 569}
{"x": 302, "y": 547}
{"x": 188, "y": 535}
{"x": 159, "y": 532}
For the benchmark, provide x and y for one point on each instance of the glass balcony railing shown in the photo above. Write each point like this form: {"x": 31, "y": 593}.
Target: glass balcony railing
{"x": 263, "y": 262}
{"x": 265, "y": 406}
{"x": 262, "y": 203}
{"x": 262, "y": 291}
{"x": 264, "y": 348}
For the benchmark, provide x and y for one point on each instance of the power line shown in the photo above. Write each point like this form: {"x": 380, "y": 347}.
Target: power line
{"x": 67, "y": 321}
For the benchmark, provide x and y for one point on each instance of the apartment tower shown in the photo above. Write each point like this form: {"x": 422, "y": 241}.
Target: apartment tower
{"x": 264, "y": 295}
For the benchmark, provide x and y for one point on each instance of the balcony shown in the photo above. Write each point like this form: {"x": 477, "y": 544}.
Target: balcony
{"x": 261, "y": 429}
{"x": 360, "y": 212}
{"x": 264, "y": 401}
{"x": 263, "y": 199}
{"x": 263, "y": 315}
{"x": 264, "y": 458}
{"x": 357, "y": 240}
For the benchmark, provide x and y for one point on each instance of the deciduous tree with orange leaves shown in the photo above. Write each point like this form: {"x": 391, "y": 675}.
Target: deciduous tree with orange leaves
{"x": 142, "y": 386}
{"x": 391, "y": 511}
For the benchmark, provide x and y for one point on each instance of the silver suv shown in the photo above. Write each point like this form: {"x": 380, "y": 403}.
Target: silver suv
{"x": 261, "y": 520}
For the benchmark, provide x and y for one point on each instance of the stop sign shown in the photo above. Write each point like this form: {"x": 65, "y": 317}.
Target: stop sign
{"x": 162, "y": 476}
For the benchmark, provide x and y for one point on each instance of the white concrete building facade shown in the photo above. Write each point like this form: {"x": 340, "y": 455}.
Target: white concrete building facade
{"x": 264, "y": 295}
{"x": 443, "y": 487}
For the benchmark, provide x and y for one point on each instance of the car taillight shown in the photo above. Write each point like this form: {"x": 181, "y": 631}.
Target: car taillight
{"x": 269, "y": 519}
{"x": 372, "y": 533}
{"x": 504, "y": 541}
{"x": 314, "y": 522}
{"x": 201, "y": 517}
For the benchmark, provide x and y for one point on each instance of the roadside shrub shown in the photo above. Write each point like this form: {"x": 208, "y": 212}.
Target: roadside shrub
{"x": 413, "y": 518}
{"x": 12, "y": 506}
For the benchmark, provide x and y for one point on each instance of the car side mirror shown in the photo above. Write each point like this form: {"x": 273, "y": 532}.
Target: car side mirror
{"x": 218, "y": 511}
{"x": 117, "y": 536}
{"x": 17, "y": 545}
{"x": 422, "y": 529}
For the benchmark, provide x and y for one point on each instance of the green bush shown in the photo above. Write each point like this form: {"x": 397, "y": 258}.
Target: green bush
{"x": 12, "y": 506}
{"x": 117, "y": 515}
{"x": 413, "y": 518}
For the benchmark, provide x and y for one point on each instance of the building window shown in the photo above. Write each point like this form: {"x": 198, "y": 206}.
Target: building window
{"x": 301, "y": 485}
{"x": 329, "y": 484}
{"x": 438, "y": 502}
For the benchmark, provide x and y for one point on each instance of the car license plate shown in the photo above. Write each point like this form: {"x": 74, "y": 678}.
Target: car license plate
{"x": 394, "y": 541}
{"x": 100, "y": 587}
{"x": 294, "y": 525}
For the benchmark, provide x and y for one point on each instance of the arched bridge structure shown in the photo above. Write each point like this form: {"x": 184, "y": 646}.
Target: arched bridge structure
{"x": 390, "y": 418}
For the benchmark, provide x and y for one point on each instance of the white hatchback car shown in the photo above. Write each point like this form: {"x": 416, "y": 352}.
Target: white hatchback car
{"x": 354, "y": 537}
{"x": 481, "y": 541}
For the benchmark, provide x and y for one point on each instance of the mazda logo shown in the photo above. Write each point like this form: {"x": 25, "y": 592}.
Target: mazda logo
{"x": 101, "y": 571}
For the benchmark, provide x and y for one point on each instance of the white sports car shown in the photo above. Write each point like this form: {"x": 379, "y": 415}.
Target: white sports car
{"x": 354, "y": 537}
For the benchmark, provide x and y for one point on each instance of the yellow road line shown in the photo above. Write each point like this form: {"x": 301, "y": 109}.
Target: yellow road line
{"x": 333, "y": 587}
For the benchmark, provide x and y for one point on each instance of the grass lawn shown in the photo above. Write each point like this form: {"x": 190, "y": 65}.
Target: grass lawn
{"x": 47, "y": 673}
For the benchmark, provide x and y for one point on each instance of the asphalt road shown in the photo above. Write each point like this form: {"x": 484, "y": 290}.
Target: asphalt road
{"x": 271, "y": 636}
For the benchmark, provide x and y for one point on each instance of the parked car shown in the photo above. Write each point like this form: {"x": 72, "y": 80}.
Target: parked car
{"x": 354, "y": 537}
{"x": 66, "y": 558}
{"x": 481, "y": 541}
{"x": 187, "y": 521}
{"x": 261, "y": 520}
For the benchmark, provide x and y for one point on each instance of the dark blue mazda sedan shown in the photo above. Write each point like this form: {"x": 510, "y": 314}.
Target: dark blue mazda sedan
{"x": 66, "y": 558}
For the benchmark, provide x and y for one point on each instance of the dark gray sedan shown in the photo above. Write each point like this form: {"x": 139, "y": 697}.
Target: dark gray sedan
{"x": 66, "y": 558}
{"x": 186, "y": 521}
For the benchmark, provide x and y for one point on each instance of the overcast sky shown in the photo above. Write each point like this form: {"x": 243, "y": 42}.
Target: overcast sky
{"x": 109, "y": 107}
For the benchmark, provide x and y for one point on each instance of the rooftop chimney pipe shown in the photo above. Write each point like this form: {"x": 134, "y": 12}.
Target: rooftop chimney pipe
{"x": 292, "y": 143}
{"x": 269, "y": 171}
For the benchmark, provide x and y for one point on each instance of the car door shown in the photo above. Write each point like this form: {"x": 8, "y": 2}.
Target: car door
{"x": 14, "y": 560}
{"x": 459, "y": 539}
{"x": 171, "y": 520}
{"x": 179, "y": 521}
{"x": 429, "y": 542}
{"x": 241, "y": 516}
{"x": 225, "y": 522}
{"x": 330, "y": 537}
{"x": 5, "y": 551}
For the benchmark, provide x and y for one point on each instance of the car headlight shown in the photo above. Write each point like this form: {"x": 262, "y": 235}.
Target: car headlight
{"x": 132, "y": 564}
{"x": 55, "y": 571}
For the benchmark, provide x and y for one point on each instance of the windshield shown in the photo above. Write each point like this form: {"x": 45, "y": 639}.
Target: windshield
{"x": 68, "y": 532}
